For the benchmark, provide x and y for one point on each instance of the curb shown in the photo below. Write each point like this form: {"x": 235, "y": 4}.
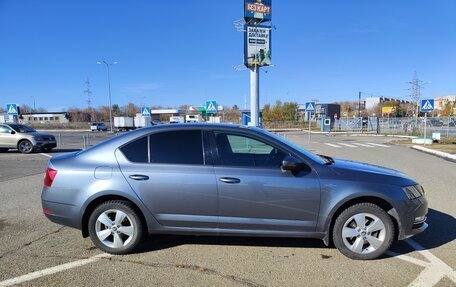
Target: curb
{"x": 448, "y": 156}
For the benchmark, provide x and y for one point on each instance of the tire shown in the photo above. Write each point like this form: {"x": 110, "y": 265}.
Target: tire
{"x": 368, "y": 232}
{"x": 126, "y": 240}
{"x": 25, "y": 146}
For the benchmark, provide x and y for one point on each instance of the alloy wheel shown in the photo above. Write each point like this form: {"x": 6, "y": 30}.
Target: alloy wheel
{"x": 363, "y": 233}
{"x": 25, "y": 147}
{"x": 114, "y": 228}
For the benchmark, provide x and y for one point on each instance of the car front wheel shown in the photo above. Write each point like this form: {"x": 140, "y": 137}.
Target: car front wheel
{"x": 115, "y": 227}
{"x": 363, "y": 231}
{"x": 25, "y": 146}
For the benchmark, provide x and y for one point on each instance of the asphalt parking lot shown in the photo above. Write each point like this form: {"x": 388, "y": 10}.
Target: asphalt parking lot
{"x": 36, "y": 252}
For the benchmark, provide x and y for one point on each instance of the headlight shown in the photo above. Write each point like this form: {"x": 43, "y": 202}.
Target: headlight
{"x": 413, "y": 191}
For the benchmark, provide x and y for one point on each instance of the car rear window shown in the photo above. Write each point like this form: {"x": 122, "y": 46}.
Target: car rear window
{"x": 177, "y": 147}
{"x": 136, "y": 151}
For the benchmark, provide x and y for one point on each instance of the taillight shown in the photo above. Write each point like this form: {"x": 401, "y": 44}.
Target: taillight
{"x": 49, "y": 177}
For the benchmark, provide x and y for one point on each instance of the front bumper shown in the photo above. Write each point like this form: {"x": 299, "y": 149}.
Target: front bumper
{"x": 45, "y": 144}
{"x": 413, "y": 217}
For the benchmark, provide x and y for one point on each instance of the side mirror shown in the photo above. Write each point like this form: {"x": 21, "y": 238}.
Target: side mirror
{"x": 12, "y": 132}
{"x": 292, "y": 164}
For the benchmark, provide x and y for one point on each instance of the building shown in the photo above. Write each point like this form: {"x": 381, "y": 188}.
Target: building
{"x": 372, "y": 102}
{"x": 48, "y": 117}
{"x": 165, "y": 114}
{"x": 441, "y": 102}
{"x": 321, "y": 111}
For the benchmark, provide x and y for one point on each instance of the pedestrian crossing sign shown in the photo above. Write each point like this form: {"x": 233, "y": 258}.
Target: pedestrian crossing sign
{"x": 145, "y": 111}
{"x": 211, "y": 107}
{"x": 11, "y": 109}
{"x": 427, "y": 105}
{"x": 310, "y": 107}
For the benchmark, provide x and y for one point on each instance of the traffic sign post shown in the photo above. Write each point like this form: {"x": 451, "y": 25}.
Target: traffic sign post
{"x": 310, "y": 107}
{"x": 426, "y": 106}
{"x": 145, "y": 111}
{"x": 11, "y": 109}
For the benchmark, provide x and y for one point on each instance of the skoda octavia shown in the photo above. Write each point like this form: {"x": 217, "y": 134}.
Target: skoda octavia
{"x": 211, "y": 179}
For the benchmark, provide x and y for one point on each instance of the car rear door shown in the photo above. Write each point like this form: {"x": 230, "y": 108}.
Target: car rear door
{"x": 172, "y": 177}
{"x": 254, "y": 193}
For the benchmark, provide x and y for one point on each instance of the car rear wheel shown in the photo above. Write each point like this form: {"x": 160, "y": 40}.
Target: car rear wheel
{"x": 363, "y": 231}
{"x": 115, "y": 227}
{"x": 25, "y": 146}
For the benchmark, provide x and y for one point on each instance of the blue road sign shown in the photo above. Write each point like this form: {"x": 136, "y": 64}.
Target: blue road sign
{"x": 310, "y": 107}
{"x": 211, "y": 107}
{"x": 145, "y": 111}
{"x": 11, "y": 109}
{"x": 427, "y": 105}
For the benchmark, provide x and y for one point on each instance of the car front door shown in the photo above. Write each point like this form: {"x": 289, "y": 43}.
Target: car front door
{"x": 255, "y": 194}
{"x": 170, "y": 173}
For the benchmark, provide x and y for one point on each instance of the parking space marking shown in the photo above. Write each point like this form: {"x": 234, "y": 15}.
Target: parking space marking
{"x": 434, "y": 269}
{"x": 52, "y": 270}
{"x": 364, "y": 145}
{"x": 380, "y": 145}
{"x": 45, "y": 154}
{"x": 348, "y": 145}
{"x": 333, "y": 145}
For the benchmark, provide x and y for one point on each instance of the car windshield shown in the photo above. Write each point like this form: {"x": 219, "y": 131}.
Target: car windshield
{"x": 307, "y": 153}
{"x": 22, "y": 129}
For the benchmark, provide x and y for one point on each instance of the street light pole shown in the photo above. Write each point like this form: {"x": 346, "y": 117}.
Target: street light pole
{"x": 109, "y": 88}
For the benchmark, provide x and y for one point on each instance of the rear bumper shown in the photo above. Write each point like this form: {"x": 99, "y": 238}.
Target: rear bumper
{"x": 63, "y": 214}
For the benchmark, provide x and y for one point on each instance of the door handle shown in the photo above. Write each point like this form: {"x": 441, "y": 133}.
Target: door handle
{"x": 139, "y": 177}
{"x": 230, "y": 180}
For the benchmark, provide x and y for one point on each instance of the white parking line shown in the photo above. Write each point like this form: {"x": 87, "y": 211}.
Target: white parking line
{"x": 435, "y": 269}
{"x": 377, "y": 144}
{"x": 333, "y": 145}
{"x": 349, "y": 145}
{"x": 364, "y": 145}
{"x": 45, "y": 154}
{"x": 52, "y": 270}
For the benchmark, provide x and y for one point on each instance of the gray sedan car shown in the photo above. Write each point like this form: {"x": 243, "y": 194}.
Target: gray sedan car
{"x": 24, "y": 138}
{"x": 211, "y": 179}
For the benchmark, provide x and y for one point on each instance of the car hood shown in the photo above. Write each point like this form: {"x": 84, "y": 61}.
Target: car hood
{"x": 39, "y": 134}
{"x": 350, "y": 166}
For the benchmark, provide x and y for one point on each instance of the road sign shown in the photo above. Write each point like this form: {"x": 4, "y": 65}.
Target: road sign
{"x": 427, "y": 105}
{"x": 11, "y": 109}
{"x": 310, "y": 107}
{"x": 211, "y": 107}
{"x": 145, "y": 111}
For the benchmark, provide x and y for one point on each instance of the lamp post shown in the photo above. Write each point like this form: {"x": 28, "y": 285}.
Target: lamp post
{"x": 108, "y": 65}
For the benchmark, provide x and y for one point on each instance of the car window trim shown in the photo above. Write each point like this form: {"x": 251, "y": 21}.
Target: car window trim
{"x": 216, "y": 157}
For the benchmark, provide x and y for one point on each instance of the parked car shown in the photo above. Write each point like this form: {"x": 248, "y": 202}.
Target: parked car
{"x": 156, "y": 122}
{"x": 434, "y": 123}
{"x": 214, "y": 179}
{"x": 24, "y": 138}
{"x": 98, "y": 127}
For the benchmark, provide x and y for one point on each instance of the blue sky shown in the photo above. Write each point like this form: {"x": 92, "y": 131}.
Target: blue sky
{"x": 183, "y": 52}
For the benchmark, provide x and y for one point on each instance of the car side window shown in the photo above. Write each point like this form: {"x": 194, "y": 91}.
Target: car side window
{"x": 240, "y": 150}
{"x": 4, "y": 130}
{"x": 177, "y": 147}
{"x": 136, "y": 151}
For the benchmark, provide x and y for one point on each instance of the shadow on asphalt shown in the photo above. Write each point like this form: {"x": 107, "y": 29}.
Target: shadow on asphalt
{"x": 441, "y": 230}
{"x": 59, "y": 150}
{"x": 160, "y": 242}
